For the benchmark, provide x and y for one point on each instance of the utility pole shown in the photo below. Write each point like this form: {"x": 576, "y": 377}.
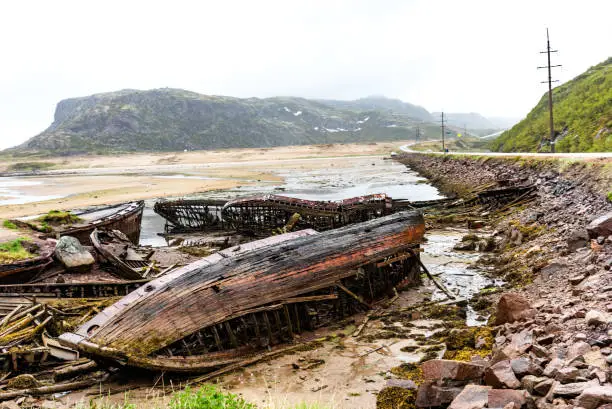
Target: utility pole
{"x": 418, "y": 134}
{"x": 442, "y": 126}
{"x": 550, "y": 101}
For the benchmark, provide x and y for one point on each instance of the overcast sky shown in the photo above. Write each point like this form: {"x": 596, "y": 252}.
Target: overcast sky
{"x": 457, "y": 56}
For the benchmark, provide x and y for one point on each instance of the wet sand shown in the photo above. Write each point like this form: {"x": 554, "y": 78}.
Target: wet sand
{"x": 88, "y": 181}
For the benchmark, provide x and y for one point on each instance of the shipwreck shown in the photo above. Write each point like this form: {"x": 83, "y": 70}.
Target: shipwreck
{"x": 251, "y": 299}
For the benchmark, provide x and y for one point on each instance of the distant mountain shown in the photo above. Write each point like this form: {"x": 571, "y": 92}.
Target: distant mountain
{"x": 174, "y": 119}
{"x": 582, "y": 113}
{"x": 470, "y": 120}
{"x": 381, "y": 103}
{"x": 503, "y": 122}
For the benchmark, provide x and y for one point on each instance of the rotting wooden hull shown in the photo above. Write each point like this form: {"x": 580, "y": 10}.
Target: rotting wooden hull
{"x": 131, "y": 271}
{"x": 218, "y": 311}
{"x": 185, "y": 215}
{"x": 25, "y": 270}
{"x": 127, "y": 220}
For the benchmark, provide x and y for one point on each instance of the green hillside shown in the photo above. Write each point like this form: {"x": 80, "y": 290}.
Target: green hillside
{"x": 582, "y": 112}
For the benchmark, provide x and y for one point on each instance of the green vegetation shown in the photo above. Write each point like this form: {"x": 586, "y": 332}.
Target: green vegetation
{"x": 7, "y": 224}
{"x": 29, "y": 166}
{"x": 59, "y": 217}
{"x": 14, "y": 251}
{"x": 174, "y": 120}
{"x": 208, "y": 397}
{"x": 583, "y": 116}
{"x": 609, "y": 196}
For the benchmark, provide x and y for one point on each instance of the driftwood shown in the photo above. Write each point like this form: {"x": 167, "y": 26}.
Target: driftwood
{"x": 47, "y": 390}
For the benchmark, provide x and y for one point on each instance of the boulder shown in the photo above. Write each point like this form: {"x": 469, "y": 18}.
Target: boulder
{"x": 577, "y": 238}
{"x": 530, "y": 381}
{"x": 471, "y": 397}
{"x": 498, "y": 398}
{"x": 576, "y": 279}
{"x": 577, "y": 349}
{"x": 437, "y": 369}
{"x": 567, "y": 374}
{"x": 430, "y": 394}
{"x": 524, "y": 366}
{"x": 553, "y": 366}
{"x": 543, "y": 387}
{"x": 601, "y": 226}
{"x": 72, "y": 255}
{"x": 519, "y": 344}
{"x": 500, "y": 375}
{"x": 594, "y": 317}
{"x": 572, "y": 389}
{"x": 512, "y": 307}
{"x": 594, "y": 396}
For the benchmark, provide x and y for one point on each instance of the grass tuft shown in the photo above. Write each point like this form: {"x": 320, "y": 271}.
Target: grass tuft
{"x": 14, "y": 251}
{"x": 9, "y": 225}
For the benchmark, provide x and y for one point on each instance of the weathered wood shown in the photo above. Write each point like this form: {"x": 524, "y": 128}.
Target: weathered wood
{"x": 205, "y": 294}
{"x": 46, "y": 390}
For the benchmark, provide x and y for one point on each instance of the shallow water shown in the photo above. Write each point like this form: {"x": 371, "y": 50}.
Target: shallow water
{"x": 12, "y": 194}
{"x": 456, "y": 270}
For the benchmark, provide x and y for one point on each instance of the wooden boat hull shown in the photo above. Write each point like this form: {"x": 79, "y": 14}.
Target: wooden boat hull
{"x": 127, "y": 220}
{"x": 216, "y": 303}
{"x": 26, "y": 270}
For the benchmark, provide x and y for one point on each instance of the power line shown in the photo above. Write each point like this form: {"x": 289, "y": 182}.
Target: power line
{"x": 550, "y": 101}
{"x": 442, "y": 123}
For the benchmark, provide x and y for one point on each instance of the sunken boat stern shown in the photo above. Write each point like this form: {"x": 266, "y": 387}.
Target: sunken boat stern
{"x": 244, "y": 302}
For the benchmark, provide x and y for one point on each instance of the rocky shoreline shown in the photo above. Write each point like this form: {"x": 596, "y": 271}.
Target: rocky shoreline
{"x": 550, "y": 343}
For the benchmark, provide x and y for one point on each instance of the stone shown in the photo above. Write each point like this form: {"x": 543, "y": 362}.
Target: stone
{"x": 11, "y": 404}
{"x": 430, "y": 394}
{"x": 72, "y": 255}
{"x": 577, "y": 238}
{"x": 594, "y": 317}
{"x": 572, "y": 389}
{"x": 577, "y": 279}
{"x": 513, "y": 307}
{"x": 567, "y": 374}
{"x": 524, "y": 366}
{"x": 530, "y": 381}
{"x": 577, "y": 349}
{"x": 499, "y": 398}
{"x": 543, "y": 387}
{"x": 553, "y": 366}
{"x": 437, "y": 369}
{"x": 539, "y": 351}
{"x": 579, "y": 336}
{"x": 471, "y": 397}
{"x": 500, "y": 375}
{"x": 519, "y": 344}
{"x": 601, "y": 226}
{"x": 595, "y": 358}
{"x": 594, "y": 397}
{"x": 401, "y": 383}
{"x": 546, "y": 339}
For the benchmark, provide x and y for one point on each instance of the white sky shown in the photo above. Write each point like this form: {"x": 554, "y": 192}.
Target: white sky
{"x": 459, "y": 56}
